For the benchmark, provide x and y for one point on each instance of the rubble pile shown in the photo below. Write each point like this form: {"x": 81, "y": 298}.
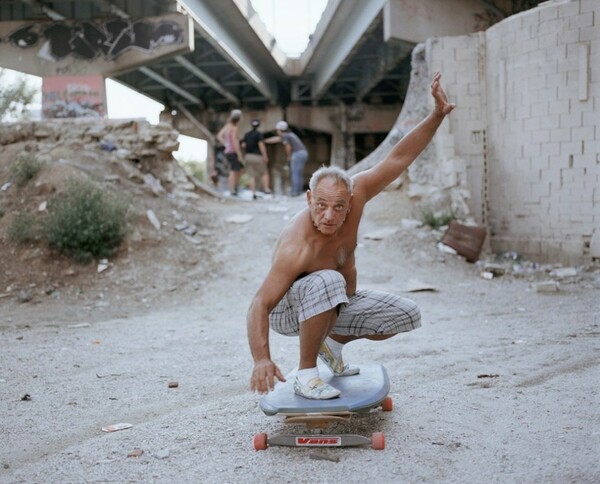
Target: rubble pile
{"x": 137, "y": 138}
{"x": 134, "y": 149}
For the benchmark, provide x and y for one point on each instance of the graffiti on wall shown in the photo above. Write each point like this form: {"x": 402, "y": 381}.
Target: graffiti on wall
{"x": 73, "y": 97}
{"x": 90, "y": 40}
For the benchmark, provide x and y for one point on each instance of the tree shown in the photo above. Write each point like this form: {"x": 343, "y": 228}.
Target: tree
{"x": 15, "y": 97}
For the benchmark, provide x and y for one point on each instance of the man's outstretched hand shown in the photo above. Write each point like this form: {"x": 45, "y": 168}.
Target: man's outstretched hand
{"x": 442, "y": 106}
{"x": 263, "y": 376}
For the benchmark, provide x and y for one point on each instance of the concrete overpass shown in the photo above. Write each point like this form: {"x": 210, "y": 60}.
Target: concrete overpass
{"x": 342, "y": 95}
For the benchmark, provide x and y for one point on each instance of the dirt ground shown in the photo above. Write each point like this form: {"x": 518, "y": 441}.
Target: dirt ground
{"x": 499, "y": 385}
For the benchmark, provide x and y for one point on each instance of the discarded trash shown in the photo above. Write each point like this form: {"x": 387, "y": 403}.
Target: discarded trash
{"x": 26, "y": 397}
{"x": 381, "y": 234}
{"x": 466, "y": 240}
{"x": 173, "y": 384}
{"x": 446, "y": 249}
{"x": 484, "y": 375}
{"x": 135, "y": 453}
{"x": 487, "y": 275}
{"x": 547, "y": 286}
{"x": 564, "y": 272}
{"x": 80, "y": 325}
{"x": 116, "y": 427}
{"x": 414, "y": 285}
{"x": 153, "y": 219}
{"x": 495, "y": 269}
{"x": 102, "y": 265}
{"x": 239, "y": 218}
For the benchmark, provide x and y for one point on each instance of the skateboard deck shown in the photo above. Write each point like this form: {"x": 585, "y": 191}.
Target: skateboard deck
{"x": 360, "y": 394}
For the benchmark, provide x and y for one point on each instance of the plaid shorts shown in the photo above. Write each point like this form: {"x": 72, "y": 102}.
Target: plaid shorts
{"x": 367, "y": 312}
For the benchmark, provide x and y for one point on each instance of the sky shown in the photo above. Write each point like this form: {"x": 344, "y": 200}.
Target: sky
{"x": 289, "y": 21}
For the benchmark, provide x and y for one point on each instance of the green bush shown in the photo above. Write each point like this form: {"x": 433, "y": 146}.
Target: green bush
{"x": 25, "y": 168}
{"x": 86, "y": 222}
{"x": 23, "y": 228}
{"x": 435, "y": 221}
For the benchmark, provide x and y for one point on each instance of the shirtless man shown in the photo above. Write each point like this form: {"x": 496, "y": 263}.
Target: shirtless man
{"x": 310, "y": 289}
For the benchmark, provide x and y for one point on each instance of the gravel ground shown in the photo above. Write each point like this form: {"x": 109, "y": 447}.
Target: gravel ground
{"x": 499, "y": 385}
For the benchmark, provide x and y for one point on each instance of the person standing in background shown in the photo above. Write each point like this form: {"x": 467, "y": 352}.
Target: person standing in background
{"x": 256, "y": 158}
{"x": 297, "y": 155}
{"x": 228, "y": 136}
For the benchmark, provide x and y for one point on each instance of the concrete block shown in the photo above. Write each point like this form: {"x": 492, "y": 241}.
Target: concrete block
{"x": 570, "y": 120}
{"x": 541, "y": 136}
{"x": 583, "y": 132}
{"x": 585, "y": 19}
{"x": 589, "y": 6}
{"x": 548, "y": 12}
{"x": 595, "y": 245}
{"x": 587, "y": 34}
{"x": 568, "y": 9}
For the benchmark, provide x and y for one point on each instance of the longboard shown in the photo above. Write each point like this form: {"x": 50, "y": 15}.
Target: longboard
{"x": 360, "y": 394}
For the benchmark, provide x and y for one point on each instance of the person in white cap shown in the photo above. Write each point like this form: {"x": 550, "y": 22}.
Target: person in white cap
{"x": 228, "y": 137}
{"x": 296, "y": 154}
{"x": 311, "y": 290}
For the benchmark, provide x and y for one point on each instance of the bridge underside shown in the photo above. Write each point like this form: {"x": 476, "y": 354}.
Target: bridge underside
{"x": 349, "y": 84}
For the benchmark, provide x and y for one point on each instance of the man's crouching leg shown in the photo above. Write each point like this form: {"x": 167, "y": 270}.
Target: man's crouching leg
{"x": 313, "y": 331}
{"x": 377, "y": 316}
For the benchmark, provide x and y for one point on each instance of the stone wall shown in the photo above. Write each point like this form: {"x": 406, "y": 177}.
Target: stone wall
{"x": 526, "y": 131}
{"x": 543, "y": 113}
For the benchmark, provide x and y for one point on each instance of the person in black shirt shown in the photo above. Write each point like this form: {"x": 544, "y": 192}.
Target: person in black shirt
{"x": 256, "y": 158}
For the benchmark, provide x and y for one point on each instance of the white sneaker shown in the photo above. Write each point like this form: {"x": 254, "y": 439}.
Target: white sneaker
{"x": 315, "y": 389}
{"x": 337, "y": 366}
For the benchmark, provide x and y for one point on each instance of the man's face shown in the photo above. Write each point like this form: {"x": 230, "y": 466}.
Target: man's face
{"x": 329, "y": 205}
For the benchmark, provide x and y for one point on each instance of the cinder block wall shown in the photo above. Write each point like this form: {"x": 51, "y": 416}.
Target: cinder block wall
{"x": 528, "y": 126}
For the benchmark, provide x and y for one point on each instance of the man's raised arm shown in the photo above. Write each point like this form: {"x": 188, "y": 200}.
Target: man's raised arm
{"x": 408, "y": 148}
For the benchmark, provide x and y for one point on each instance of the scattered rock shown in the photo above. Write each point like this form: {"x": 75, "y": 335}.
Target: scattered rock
{"x": 173, "y": 384}
{"x": 162, "y": 454}
{"x": 24, "y": 296}
{"x": 135, "y": 453}
{"x": 408, "y": 223}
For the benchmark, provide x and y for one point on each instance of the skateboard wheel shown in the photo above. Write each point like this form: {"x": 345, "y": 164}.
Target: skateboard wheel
{"x": 387, "y": 405}
{"x": 260, "y": 441}
{"x": 378, "y": 441}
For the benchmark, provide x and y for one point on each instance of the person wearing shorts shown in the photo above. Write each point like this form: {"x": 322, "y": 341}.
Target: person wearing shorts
{"x": 256, "y": 159}
{"x": 228, "y": 137}
{"x": 311, "y": 287}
